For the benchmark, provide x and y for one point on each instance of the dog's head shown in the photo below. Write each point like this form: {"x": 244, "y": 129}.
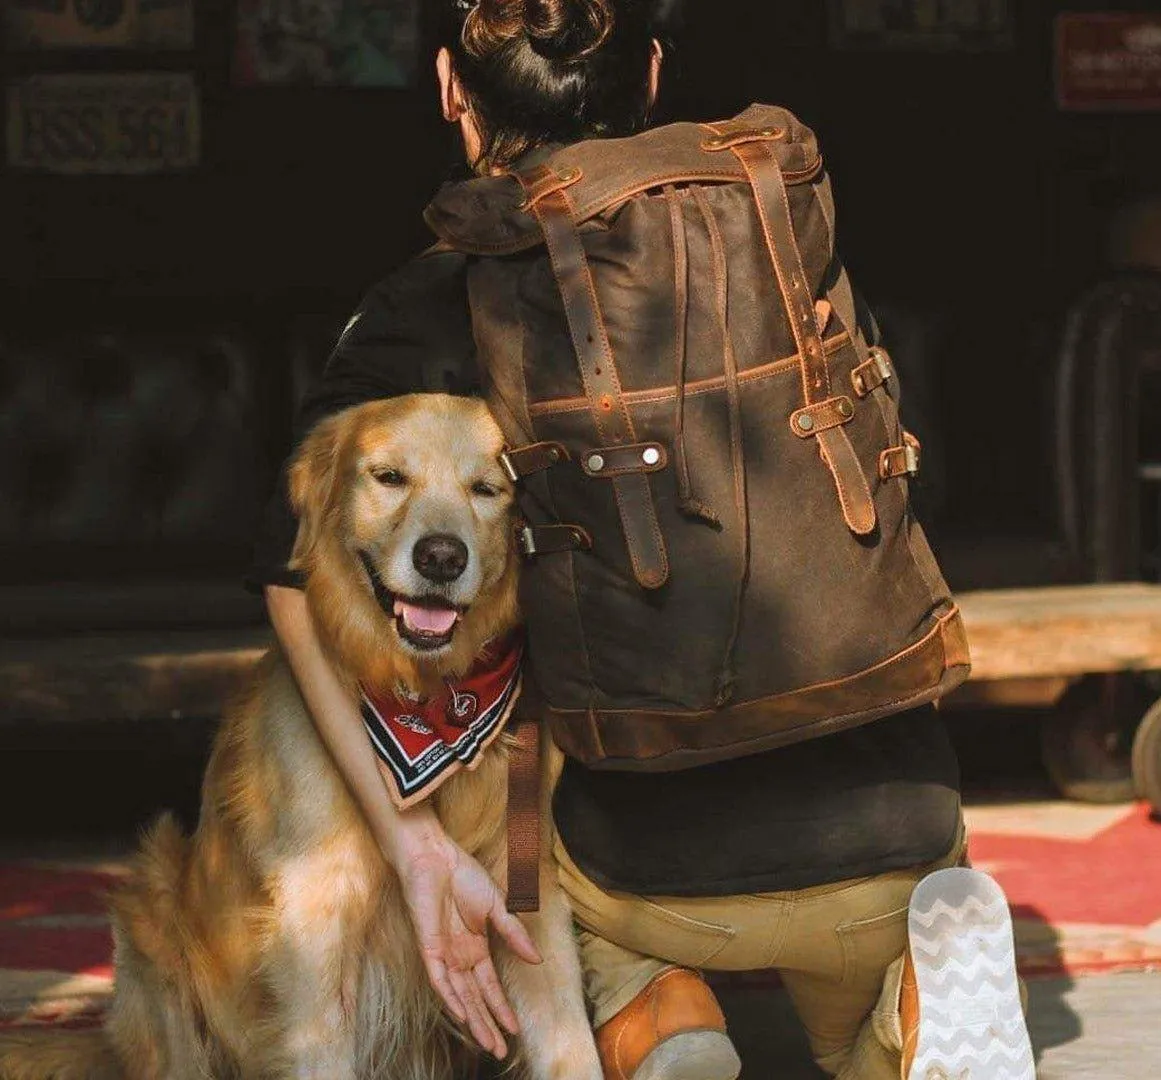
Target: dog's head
{"x": 405, "y": 536}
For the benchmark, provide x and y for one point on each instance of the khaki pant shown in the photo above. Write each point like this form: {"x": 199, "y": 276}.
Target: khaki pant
{"x": 838, "y": 949}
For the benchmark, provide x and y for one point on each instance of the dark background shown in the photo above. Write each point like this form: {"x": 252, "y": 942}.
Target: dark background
{"x": 972, "y": 213}
{"x": 961, "y": 191}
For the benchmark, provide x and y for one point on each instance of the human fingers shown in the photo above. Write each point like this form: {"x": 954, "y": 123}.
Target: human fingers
{"x": 480, "y": 1022}
{"x": 513, "y": 931}
{"x": 437, "y": 974}
{"x": 494, "y": 996}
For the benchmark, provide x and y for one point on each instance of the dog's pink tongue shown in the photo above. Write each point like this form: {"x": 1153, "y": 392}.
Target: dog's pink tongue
{"x": 426, "y": 620}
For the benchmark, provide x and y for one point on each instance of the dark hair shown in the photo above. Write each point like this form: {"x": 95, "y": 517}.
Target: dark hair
{"x": 550, "y": 71}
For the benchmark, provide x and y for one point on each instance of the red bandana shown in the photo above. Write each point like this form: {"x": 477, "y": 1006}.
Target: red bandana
{"x": 425, "y": 743}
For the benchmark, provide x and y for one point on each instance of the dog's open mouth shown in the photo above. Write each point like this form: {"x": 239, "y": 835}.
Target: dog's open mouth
{"x": 425, "y": 624}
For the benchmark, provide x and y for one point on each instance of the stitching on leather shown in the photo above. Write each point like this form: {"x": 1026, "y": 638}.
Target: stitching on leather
{"x": 796, "y": 265}
{"x": 702, "y": 386}
{"x": 779, "y": 270}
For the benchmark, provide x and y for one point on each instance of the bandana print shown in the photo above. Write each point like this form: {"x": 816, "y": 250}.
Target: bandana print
{"x": 425, "y": 743}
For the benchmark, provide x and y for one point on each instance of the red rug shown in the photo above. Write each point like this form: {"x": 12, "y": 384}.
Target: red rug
{"x": 1084, "y": 884}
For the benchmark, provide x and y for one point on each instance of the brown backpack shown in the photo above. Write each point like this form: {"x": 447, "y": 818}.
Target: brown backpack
{"x": 722, "y": 555}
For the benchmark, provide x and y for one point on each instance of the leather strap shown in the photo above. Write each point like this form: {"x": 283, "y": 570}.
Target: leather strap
{"x": 550, "y": 203}
{"x": 523, "y": 461}
{"x": 606, "y": 462}
{"x": 524, "y": 820}
{"x": 769, "y": 186}
{"x": 533, "y": 540}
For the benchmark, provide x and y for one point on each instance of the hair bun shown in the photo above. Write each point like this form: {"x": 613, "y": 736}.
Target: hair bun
{"x": 568, "y": 30}
{"x": 564, "y": 31}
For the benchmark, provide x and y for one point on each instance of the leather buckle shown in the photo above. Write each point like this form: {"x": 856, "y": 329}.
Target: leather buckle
{"x": 868, "y": 377}
{"x": 534, "y": 540}
{"x": 519, "y": 462}
{"x": 899, "y": 461}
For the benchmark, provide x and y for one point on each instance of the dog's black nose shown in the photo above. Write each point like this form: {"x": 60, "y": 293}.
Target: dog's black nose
{"x": 440, "y": 558}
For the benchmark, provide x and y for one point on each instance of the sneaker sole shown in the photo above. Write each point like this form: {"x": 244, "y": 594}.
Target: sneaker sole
{"x": 971, "y": 1025}
{"x": 692, "y": 1055}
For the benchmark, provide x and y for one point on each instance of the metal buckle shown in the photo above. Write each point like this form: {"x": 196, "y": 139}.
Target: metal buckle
{"x": 911, "y": 459}
{"x": 526, "y": 540}
{"x": 882, "y": 363}
{"x": 505, "y": 460}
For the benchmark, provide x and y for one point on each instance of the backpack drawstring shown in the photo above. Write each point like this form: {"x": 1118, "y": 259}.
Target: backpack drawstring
{"x": 728, "y": 678}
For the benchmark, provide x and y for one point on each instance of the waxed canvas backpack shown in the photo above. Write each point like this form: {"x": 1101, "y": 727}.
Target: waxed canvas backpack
{"x": 722, "y": 557}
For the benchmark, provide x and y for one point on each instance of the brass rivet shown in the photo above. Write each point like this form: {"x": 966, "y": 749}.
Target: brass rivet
{"x": 651, "y": 456}
{"x": 569, "y": 175}
{"x": 596, "y": 463}
{"x": 806, "y": 423}
{"x": 845, "y": 408}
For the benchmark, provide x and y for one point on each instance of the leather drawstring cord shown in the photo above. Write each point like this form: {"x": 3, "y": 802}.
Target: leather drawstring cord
{"x": 687, "y": 503}
{"x": 728, "y": 677}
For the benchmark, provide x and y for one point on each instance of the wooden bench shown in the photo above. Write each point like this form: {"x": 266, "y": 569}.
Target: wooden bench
{"x": 1031, "y": 646}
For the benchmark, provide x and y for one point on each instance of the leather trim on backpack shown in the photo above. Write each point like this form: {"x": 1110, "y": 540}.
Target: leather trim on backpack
{"x": 854, "y": 493}
{"x": 646, "y": 740}
{"x": 484, "y": 216}
{"x": 598, "y": 367}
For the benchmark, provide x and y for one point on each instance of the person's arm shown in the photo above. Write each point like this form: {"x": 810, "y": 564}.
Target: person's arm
{"x": 451, "y": 898}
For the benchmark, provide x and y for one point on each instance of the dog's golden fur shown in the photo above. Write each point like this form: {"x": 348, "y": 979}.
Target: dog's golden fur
{"x": 275, "y": 942}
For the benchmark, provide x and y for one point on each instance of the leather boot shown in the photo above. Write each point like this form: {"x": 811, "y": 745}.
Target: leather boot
{"x": 960, "y": 1001}
{"x": 673, "y": 1030}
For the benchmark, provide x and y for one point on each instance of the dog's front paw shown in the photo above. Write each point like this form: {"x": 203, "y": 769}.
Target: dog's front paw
{"x": 574, "y": 1059}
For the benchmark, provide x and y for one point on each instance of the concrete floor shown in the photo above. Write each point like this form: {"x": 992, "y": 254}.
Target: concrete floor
{"x": 1096, "y": 1028}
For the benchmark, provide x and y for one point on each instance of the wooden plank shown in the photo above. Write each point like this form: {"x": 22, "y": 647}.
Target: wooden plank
{"x": 130, "y": 676}
{"x": 1064, "y": 631}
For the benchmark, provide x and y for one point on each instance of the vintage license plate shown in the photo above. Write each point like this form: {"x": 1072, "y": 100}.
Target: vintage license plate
{"x": 139, "y": 123}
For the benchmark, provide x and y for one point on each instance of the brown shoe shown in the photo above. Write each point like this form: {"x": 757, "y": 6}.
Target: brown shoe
{"x": 673, "y": 1030}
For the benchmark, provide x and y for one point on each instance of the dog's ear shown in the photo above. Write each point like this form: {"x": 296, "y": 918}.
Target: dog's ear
{"x": 312, "y": 476}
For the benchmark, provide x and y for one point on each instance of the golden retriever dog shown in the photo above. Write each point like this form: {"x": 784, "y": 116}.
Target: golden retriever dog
{"x": 275, "y": 942}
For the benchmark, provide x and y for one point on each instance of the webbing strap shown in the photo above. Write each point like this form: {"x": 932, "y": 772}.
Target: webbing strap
{"x": 778, "y": 226}
{"x": 524, "y": 820}
{"x": 598, "y": 369}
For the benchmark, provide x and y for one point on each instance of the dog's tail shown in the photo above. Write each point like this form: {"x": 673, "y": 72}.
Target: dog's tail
{"x": 58, "y": 1055}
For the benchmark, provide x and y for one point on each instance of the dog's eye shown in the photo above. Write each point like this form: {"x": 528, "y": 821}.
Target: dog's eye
{"x": 389, "y": 477}
{"x": 485, "y": 490}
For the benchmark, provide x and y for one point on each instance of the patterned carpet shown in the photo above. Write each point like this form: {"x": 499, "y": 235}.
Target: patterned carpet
{"x": 1084, "y": 884}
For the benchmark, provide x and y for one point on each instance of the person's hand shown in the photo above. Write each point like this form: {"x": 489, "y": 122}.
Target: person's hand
{"x": 452, "y": 899}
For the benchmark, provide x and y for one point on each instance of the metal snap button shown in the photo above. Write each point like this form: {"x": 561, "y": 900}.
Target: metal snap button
{"x": 596, "y": 463}
{"x": 651, "y": 456}
{"x": 806, "y": 423}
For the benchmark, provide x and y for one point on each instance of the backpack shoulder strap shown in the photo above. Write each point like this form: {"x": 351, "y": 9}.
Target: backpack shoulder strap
{"x": 548, "y": 200}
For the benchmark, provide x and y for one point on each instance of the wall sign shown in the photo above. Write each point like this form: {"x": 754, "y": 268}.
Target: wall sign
{"x": 84, "y": 24}
{"x": 327, "y": 42}
{"x": 1108, "y": 62}
{"x": 965, "y": 25}
{"x": 140, "y": 123}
